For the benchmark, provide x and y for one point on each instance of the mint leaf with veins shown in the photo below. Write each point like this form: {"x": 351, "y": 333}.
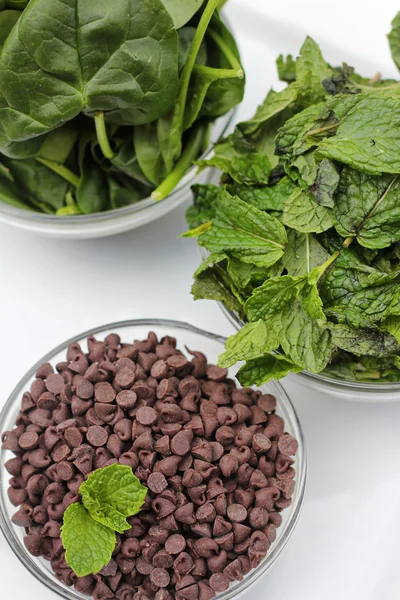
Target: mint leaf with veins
{"x": 254, "y": 340}
{"x": 88, "y": 544}
{"x": 364, "y": 342}
{"x": 261, "y": 370}
{"x": 367, "y": 136}
{"x": 368, "y": 208}
{"x": 246, "y": 232}
{"x": 303, "y": 253}
{"x": 269, "y": 198}
{"x": 303, "y": 213}
{"x": 394, "y": 40}
{"x": 326, "y": 184}
{"x": 111, "y": 494}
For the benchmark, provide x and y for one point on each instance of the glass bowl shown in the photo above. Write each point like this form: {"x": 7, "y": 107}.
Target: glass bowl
{"x": 116, "y": 221}
{"x": 356, "y": 391}
{"x": 212, "y": 345}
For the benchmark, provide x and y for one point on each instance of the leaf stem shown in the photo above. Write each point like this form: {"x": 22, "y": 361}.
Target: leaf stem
{"x": 234, "y": 62}
{"x": 348, "y": 241}
{"x": 102, "y": 136}
{"x": 219, "y": 73}
{"x": 189, "y": 154}
{"x": 61, "y": 170}
{"x": 193, "y": 52}
{"x": 322, "y": 129}
{"x": 369, "y": 375}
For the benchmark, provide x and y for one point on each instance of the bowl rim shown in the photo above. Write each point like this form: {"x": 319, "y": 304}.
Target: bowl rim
{"x": 320, "y": 379}
{"x": 6, "y": 210}
{"x": 301, "y": 467}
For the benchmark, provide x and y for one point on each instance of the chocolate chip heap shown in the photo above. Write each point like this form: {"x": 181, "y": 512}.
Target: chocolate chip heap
{"x": 215, "y": 459}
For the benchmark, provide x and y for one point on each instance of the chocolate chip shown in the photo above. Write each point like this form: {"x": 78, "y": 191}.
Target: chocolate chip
{"x": 146, "y": 415}
{"x": 126, "y": 399}
{"x": 288, "y": 445}
{"x": 219, "y": 582}
{"x": 157, "y": 483}
{"x": 160, "y": 577}
{"x": 97, "y": 436}
{"x": 28, "y": 440}
{"x": 175, "y": 544}
{"x": 237, "y": 513}
{"x": 104, "y": 392}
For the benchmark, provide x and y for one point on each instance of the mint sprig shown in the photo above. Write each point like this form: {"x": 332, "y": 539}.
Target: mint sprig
{"x": 109, "y": 496}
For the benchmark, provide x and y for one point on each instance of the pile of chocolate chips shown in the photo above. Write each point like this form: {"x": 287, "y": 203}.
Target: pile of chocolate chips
{"x": 216, "y": 461}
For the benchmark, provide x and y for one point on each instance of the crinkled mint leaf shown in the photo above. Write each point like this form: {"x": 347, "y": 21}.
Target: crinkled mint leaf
{"x": 368, "y": 208}
{"x": 250, "y": 168}
{"x": 326, "y": 184}
{"x": 261, "y": 370}
{"x": 272, "y": 297}
{"x": 249, "y": 234}
{"x": 297, "y": 127}
{"x": 211, "y": 284}
{"x": 364, "y": 342}
{"x": 394, "y": 40}
{"x": 204, "y": 205}
{"x": 311, "y": 70}
{"x": 303, "y": 169}
{"x": 252, "y": 341}
{"x": 111, "y": 494}
{"x": 366, "y": 138}
{"x": 392, "y": 326}
{"x": 303, "y": 253}
{"x": 286, "y": 68}
{"x": 270, "y": 198}
{"x": 304, "y": 214}
{"x": 88, "y": 544}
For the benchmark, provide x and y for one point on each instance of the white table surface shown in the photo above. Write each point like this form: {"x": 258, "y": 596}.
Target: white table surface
{"x": 346, "y": 544}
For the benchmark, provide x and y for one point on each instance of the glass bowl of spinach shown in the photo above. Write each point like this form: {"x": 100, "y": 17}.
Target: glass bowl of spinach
{"x": 105, "y": 115}
{"x": 187, "y": 336}
{"x": 301, "y": 234}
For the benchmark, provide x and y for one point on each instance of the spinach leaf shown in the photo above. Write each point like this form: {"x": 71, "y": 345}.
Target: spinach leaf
{"x": 249, "y": 234}
{"x": 92, "y": 193}
{"x": 368, "y": 208}
{"x": 8, "y": 18}
{"x": 366, "y": 137}
{"x": 303, "y": 213}
{"x": 70, "y": 69}
{"x": 182, "y": 11}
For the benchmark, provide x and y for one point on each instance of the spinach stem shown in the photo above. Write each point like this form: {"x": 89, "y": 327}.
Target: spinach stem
{"x": 234, "y": 62}
{"x": 189, "y": 154}
{"x": 102, "y": 136}
{"x": 219, "y": 73}
{"x": 348, "y": 241}
{"x": 61, "y": 170}
{"x": 369, "y": 375}
{"x": 191, "y": 59}
{"x": 66, "y": 211}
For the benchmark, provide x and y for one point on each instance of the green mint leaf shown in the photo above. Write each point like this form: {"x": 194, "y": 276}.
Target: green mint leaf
{"x": 311, "y": 70}
{"x": 392, "y": 326}
{"x": 212, "y": 284}
{"x": 303, "y": 169}
{"x": 364, "y": 342}
{"x": 326, "y": 184}
{"x": 394, "y": 40}
{"x": 111, "y": 494}
{"x": 88, "y": 544}
{"x": 303, "y": 213}
{"x": 296, "y": 129}
{"x": 204, "y": 205}
{"x": 368, "y": 208}
{"x": 250, "y": 168}
{"x": 366, "y": 138}
{"x": 303, "y": 253}
{"x": 261, "y": 370}
{"x": 252, "y": 341}
{"x": 286, "y": 68}
{"x": 269, "y": 198}
{"x": 272, "y": 297}
{"x": 249, "y": 234}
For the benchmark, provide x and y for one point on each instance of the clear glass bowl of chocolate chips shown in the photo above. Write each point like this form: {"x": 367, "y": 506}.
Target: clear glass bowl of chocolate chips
{"x": 224, "y": 467}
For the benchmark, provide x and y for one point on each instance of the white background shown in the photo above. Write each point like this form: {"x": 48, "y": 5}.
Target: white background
{"x": 346, "y": 544}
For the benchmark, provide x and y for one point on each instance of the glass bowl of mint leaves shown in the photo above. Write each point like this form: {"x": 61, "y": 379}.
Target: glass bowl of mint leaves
{"x": 101, "y": 123}
{"x": 186, "y": 337}
{"x": 301, "y": 237}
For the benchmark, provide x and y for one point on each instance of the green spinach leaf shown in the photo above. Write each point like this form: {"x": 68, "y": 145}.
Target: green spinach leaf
{"x": 182, "y": 11}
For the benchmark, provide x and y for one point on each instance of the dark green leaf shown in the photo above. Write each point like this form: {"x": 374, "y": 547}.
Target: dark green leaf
{"x": 270, "y": 198}
{"x": 394, "y": 40}
{"x": 364, "y": 342}
{"x": 70, "y": 68}
{"x": 366, "y": 138}
{"x": 326, "y": 183}
{"x": 8, "y": 18}
{"x": 368, "y": 208}
{"x": 304, "y": 214}
{"x": 303, "y": 253}
{"x": 209, "y": 286}
{"x": 286, "y": 68}
{"x": 246, "y": 232}
{"x": 204, "y": 205}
